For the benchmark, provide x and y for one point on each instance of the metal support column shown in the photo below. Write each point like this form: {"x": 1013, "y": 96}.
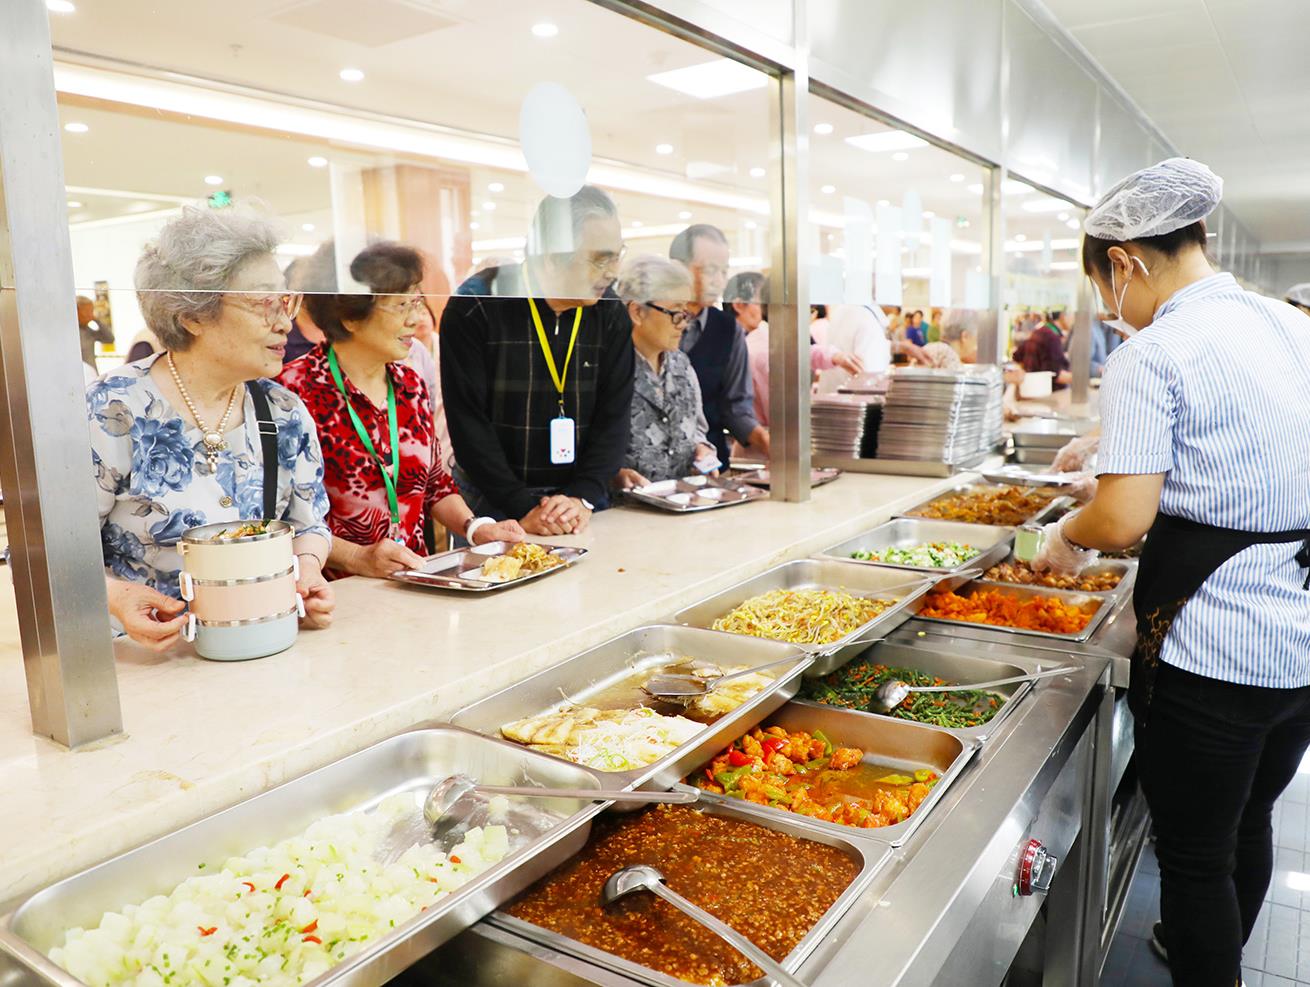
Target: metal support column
{"x": 1080, "y": 347}
{"x": 45, "y": 451}
{"x": 789, "y": 308}
{"x": 993, "y": 335}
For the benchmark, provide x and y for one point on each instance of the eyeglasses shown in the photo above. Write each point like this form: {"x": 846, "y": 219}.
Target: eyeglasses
{"x": 273, "y": 307}
{"x": 408, "y": 307}
{"x": 607, "y": 261}
{"x": 680, "y": 317}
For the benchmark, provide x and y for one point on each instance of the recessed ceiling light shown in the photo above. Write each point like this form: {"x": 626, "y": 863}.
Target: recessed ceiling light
{"x": 307, "y": 227}
{"x": 1011, "y": 187}
{"x": 496, "y": 187}
{"x": 489, "y": 206}
{"x": 76, "y": 128}
{"x": 886, "y": 140}
{"x": 901, "y": 156}
{"x": 60, "y": 6}
{"x": 757, "y": 173}
{"x": 318, "y": 161}
{"x": 351, "y": 75}
{"x": 828, "y": 189}
{"x": 929, "y": 214}
{"x": 1063, "y": 217}
{"x": 545, "y": 29}
{"x": 750, "y": 224}
{"x": 213, "y": 179}
{"x": 1047, "y": 204}
{"x": 1073, "y": 224}
{"x": 974, "y": 189}
{"x": 1020, "y": 238}
{"x": 475, "y": 226}
{"x": 74, "y": 204}
{"x": 957, "y": 177}
{"x": 823, "y": 129}
{"x": 637, "y": 224}
{"x": 883, "y": 202}
{"x": 709, "y": 80}
{"x": 684, "y": 214}
{"x": 663, "y": 148}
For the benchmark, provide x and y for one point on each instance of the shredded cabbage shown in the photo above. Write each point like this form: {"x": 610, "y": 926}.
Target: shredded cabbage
{"x": 641, "y": 737}
{"x": 279, "y": 915}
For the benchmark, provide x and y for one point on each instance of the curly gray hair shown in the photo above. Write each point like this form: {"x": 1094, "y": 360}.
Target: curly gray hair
{"x": 183, "y": 273}
{"x": 649, "y": 278}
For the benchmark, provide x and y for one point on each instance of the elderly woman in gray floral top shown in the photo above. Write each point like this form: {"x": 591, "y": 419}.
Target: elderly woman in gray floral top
{"x": 668, "y": 431}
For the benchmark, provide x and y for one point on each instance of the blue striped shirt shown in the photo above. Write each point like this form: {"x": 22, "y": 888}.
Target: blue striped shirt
{"x": 1215, "y": 394}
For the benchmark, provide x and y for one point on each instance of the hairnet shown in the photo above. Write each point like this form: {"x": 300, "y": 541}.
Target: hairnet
{"x": 1299, "y": 294}
{"x": 1155, "y": 201}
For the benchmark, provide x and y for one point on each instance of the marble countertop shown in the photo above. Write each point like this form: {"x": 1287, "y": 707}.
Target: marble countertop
{"x": 200, "y": 735}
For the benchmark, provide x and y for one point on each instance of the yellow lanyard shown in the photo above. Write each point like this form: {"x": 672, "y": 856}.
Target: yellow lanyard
{"x": 555, "y": 375}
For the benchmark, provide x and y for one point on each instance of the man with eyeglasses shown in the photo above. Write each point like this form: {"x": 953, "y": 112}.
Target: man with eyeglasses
{"x": 716, "y": 345}
{"x": 537, "y": 372}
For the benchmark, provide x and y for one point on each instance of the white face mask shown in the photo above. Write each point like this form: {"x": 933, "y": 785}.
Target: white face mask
{"x": 1119, "y": 324}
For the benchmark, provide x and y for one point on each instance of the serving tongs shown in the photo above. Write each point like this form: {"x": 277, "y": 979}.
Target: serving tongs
{"x": 454, "y": 800}
{"x": 643, "y": 877}
{"x": 688, "y": 685}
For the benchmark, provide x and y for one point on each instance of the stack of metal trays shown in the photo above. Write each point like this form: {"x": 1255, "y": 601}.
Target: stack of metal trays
{"x": 1037, "y": 442}
{"x": 941, "y": 415}
{"x": 846, "y": 425}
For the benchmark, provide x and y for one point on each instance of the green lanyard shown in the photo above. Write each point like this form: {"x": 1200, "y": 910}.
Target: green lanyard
{"x": 389, "y": 480}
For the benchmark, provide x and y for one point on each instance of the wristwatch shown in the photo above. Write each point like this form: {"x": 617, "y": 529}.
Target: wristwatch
{"x": 588, "y": 504}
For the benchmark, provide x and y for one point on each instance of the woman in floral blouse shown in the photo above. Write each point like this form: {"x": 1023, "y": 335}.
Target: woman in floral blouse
{"x": 174, "y": 439}
{"x": 362, "y": 394}
{"x": 667, "y": 437}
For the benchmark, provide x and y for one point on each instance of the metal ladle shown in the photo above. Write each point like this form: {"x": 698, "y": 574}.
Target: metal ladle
{"x": 893, "y": 692}
{"x": 684, "y": 685}
{"x": 453, "y": 799}
{"x": 643, "y": 877}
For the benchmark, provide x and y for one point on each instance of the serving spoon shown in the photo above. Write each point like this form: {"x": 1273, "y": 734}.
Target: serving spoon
{"x": 454, "y": 799}
{"x": 893, "y": 692}
{"x": 643, "y": 877}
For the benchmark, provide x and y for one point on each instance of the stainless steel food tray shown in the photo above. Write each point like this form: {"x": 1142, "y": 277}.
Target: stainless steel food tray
{"x": 1050, "y": 434}
{"x": 1127, "y": 569}
{"x": 872, "y": 856}
{"x": 459, "y": 569}
{"x": 900, "y": 745}
{"x": 760, "y": 477}
{"x": 1036, "y": 475}
{"x": 964, "y": 488}
{"x": 955, "y": 667}
{"x": 993, "y": 541}
{"x": 854, "y": 578}
{"x": 1103, "y": 604}
{"x": 692, "y": 494}
{"x": 1034, "y": 456}
{"x": 409, "y": 763}
{"x": 604, "y": 666}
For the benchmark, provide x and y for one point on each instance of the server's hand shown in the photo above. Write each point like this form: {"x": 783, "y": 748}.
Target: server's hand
{"x": 1059, "y": 555}
{"x": 1073, "y": 457}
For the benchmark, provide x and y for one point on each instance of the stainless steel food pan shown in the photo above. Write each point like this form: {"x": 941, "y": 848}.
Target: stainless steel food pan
{"x": 968, "y": 488}
{"x": 897, "y": 744}
{"x": 1098, "y": 605}
{"x": 955, "y": 667}
{"x": 993, "y": 541}
{"x": 603, "y": 667}
{"x": 857, "y": 579}
{"x": 461, "y": 568}
{"x": 1035, "y": 456}
{"x": 871, "y": 855}
{"x": 692, "y": 494}
{"x": 1126, "y": 570}
{"x": 410, "y": 762}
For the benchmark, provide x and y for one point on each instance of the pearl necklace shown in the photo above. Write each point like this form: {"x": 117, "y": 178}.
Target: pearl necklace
{"x": 212, "y": 437}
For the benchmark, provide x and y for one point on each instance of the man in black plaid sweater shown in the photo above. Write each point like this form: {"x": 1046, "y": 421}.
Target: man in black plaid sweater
{"x": 502, "y": 402}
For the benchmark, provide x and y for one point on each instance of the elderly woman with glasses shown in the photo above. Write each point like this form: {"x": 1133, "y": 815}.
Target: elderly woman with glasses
{"x": 384, "y": 471}
{"x": 175, "y": 438}
{"x": 668, "y": 437}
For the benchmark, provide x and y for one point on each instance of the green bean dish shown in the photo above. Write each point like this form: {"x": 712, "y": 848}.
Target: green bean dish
{"x": 855, "y": 686}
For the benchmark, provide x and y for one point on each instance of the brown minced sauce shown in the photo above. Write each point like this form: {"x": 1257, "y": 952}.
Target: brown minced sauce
{"x": 771, "y": 887}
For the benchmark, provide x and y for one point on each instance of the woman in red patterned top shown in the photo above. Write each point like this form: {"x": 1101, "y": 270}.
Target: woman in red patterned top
{"x": 361, "y": 393}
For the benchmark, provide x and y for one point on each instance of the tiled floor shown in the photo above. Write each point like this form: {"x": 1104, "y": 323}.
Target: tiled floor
{"x": 1278, "y": 954}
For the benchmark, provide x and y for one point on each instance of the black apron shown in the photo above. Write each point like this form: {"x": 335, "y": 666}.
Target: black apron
{"x": 1180, "y": 555}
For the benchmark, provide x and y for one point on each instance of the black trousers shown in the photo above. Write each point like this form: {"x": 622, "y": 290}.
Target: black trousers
{"x": 1213, "y": 757}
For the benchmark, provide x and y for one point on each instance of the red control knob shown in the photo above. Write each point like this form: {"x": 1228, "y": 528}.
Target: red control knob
{"x": 1036, "y": 869}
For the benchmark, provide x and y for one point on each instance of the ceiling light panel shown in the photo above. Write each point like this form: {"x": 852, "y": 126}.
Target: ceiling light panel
{"x": 711, "y": 80}
{"x": 886, "y": 140}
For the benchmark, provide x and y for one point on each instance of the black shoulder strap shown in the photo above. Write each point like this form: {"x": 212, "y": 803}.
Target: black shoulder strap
{"x": 267, "y": 444}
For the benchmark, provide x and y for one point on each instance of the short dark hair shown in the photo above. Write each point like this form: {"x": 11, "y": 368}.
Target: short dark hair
{"x": 386, "y": 268}
{"x": 684, "y": 244}
{"x": 748, "y": 286}
{"x": 1096, "y": 251}
{"x": 557, "y": 223}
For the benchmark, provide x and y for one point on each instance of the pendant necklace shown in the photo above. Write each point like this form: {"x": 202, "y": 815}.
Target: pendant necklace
{"x": 212, "y": 437}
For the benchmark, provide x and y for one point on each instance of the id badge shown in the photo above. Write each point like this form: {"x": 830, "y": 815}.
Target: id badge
{"x": 562, "y": 440}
